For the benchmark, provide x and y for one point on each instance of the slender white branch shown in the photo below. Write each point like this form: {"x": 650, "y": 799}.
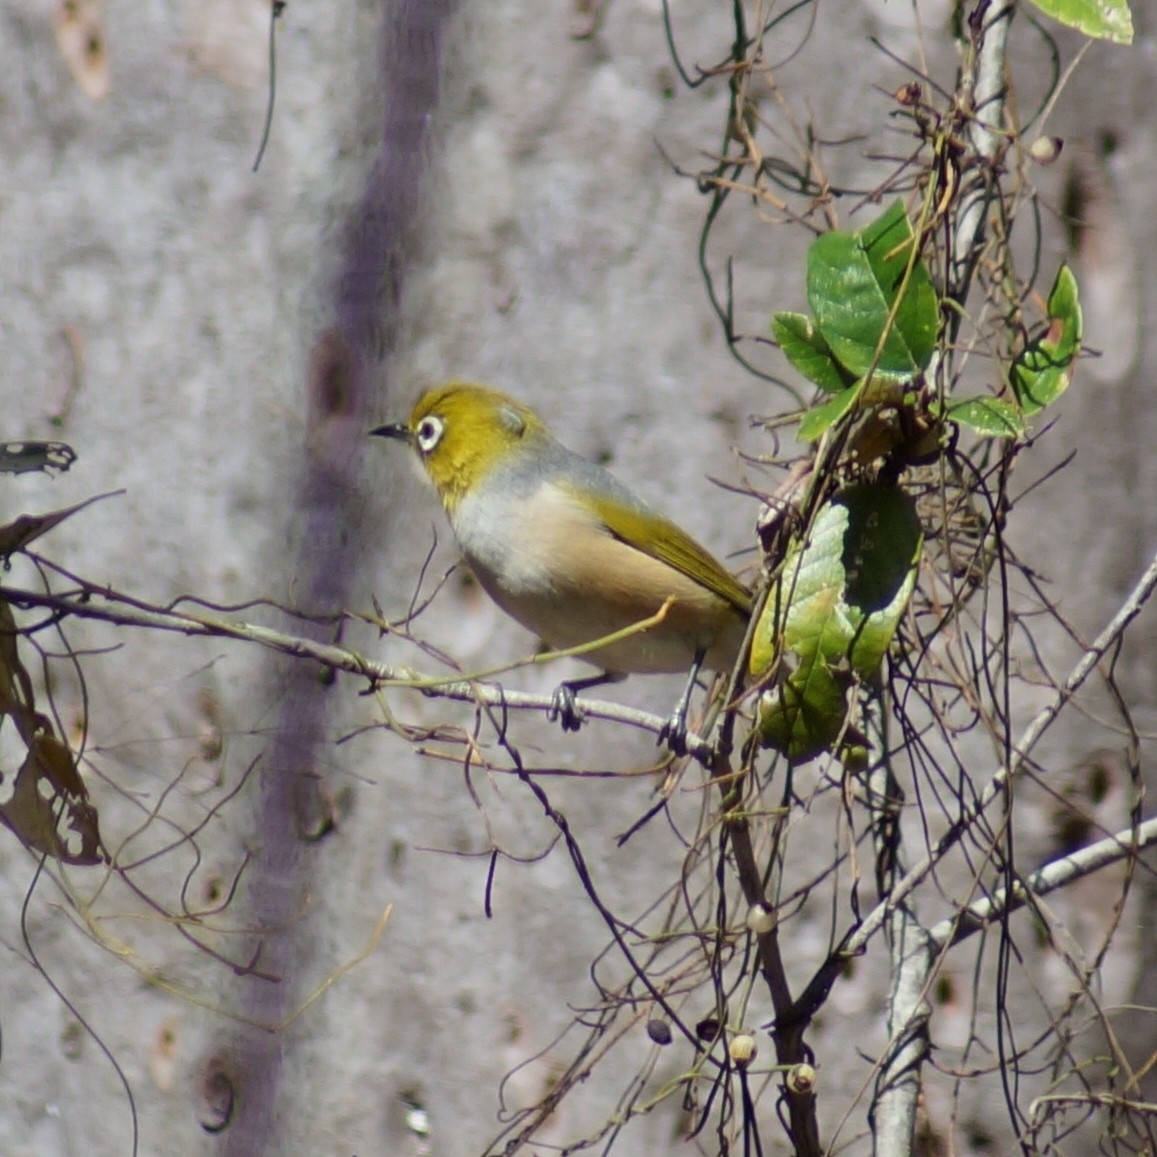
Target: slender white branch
{"x": 1128, "y": 611}
{"x": 901, "y": 1071}
{"x": 1054, "y": 875}
{"x": 987, "y": 92}
{"x": 914, "y": 949}
{"x": 104, "y": 606}
{"x": 900, "y": 1080}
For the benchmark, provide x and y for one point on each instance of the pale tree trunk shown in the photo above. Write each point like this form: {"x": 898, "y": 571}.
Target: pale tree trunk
{"x": 449, "y": 189}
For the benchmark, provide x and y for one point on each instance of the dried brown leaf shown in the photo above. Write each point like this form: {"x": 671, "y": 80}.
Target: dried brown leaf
{"x": 28, "y": 527}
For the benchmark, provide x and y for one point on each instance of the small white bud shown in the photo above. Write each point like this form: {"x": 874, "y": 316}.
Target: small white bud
{"x": 743, "y": 1049}
{"x": 760, "y": 920}
{"x": 1045, "y": 150}
{"x": 801, "y": 1079}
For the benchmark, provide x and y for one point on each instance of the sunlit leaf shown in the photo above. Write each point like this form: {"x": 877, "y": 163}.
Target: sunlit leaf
{"x": 854, "y": 280}
{"x": 833, "y": 613}
{"x": 1100, "y": 19}
{"x": 823, "y": 417}
{"x": 1044, "y": 369}
{"x": 807, "y": 351}
{"x": 990, "y": 417}
{"x": 803, "y": 715}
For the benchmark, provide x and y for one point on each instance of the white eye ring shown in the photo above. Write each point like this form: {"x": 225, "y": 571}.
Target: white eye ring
{"x": 429, "y": 433}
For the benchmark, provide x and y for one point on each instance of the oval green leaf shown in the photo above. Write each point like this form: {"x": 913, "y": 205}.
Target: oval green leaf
{"x": 987, "y": 416}
{"x": 1044, "y": 369}
{"x": 823, "y": 417}
{"x": 807, "y": 351}
{"x": 834, "y": 612}
{"x": 854, "y": 280}
{"x": 803, "y": 716}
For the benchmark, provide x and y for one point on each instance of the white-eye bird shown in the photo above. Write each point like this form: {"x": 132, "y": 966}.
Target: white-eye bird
{"x": 570, "y": 552}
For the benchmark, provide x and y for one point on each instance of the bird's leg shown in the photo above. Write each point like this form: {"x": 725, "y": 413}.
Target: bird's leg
{"x": 674, "y": 731}
{"x": 562, "y": 703}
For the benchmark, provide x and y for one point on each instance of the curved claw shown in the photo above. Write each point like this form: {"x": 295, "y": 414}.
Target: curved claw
{"x": 674, "y": 734}
{"x": 564, "y": 708}
{"x": 674, "y": 731}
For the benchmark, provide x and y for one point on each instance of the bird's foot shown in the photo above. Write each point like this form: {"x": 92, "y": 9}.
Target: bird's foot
{"x": 674, "y": 734}
{"x": 674, "y": 731}
{"x": 564, "y": 707}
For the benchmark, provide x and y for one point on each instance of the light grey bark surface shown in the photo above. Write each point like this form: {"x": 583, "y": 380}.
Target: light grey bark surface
{"x": 161, "y": 302}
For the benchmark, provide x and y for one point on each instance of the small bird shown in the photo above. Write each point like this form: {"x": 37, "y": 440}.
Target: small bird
{"x": 568, "y": 551}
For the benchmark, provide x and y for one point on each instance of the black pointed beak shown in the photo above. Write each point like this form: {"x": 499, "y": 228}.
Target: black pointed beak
{"x": 397, "y": 430}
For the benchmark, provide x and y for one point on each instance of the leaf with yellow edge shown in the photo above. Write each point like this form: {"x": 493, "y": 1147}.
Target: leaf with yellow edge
{"x": 1045, "y": 366}
{"x": 833, "y": 614}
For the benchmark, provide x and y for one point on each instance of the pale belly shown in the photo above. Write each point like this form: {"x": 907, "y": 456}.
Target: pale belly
{"x": 561, "y": 574}
{"x": 696, "y": 621}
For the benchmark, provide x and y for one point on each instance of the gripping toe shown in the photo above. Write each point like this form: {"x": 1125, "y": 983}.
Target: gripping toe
{"x": 564, "y": 708}
{"x": 674, "y": 734}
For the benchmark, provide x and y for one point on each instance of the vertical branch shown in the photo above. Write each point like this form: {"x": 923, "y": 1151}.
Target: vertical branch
{"x": 789, "y": 1028}
{"x": 898, "y": 1084}
{"x": 911, "y": 949}
{"x": 983, "y": 91}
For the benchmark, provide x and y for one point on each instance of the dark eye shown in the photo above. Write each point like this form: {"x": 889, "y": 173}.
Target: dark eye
{"x": 429, "y": 433}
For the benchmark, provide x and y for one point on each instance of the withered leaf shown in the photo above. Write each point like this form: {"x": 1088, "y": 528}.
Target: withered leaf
{"x": 24, "y": 457}
{"x": 49, "y": 810}
{"x": 28, "y": 527}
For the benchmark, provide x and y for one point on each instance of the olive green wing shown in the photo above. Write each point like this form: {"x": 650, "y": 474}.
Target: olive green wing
{"x": 660, "y": 538}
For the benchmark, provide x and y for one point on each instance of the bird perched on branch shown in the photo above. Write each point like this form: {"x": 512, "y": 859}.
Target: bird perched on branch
{"x": 569, "y": 551}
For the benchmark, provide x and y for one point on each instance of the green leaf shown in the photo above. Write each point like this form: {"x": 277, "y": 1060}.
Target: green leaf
{"x": 833, "y": 614}
{"x": 853, "y": 282}
{"x": 820, "y": 418}
{"x": 1065, "y": 307}
{"x": 806, "y": 349}
{"x": 987, "y": 416}
{"x": 1101, "y": 19}
{"x": 802, "y": 717}
{"x": 881, "y": 549}
{"x": 1044, "y": 368}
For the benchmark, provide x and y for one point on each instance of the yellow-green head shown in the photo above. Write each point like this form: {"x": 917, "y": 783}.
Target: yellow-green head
{"x": 462, "y": 431}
